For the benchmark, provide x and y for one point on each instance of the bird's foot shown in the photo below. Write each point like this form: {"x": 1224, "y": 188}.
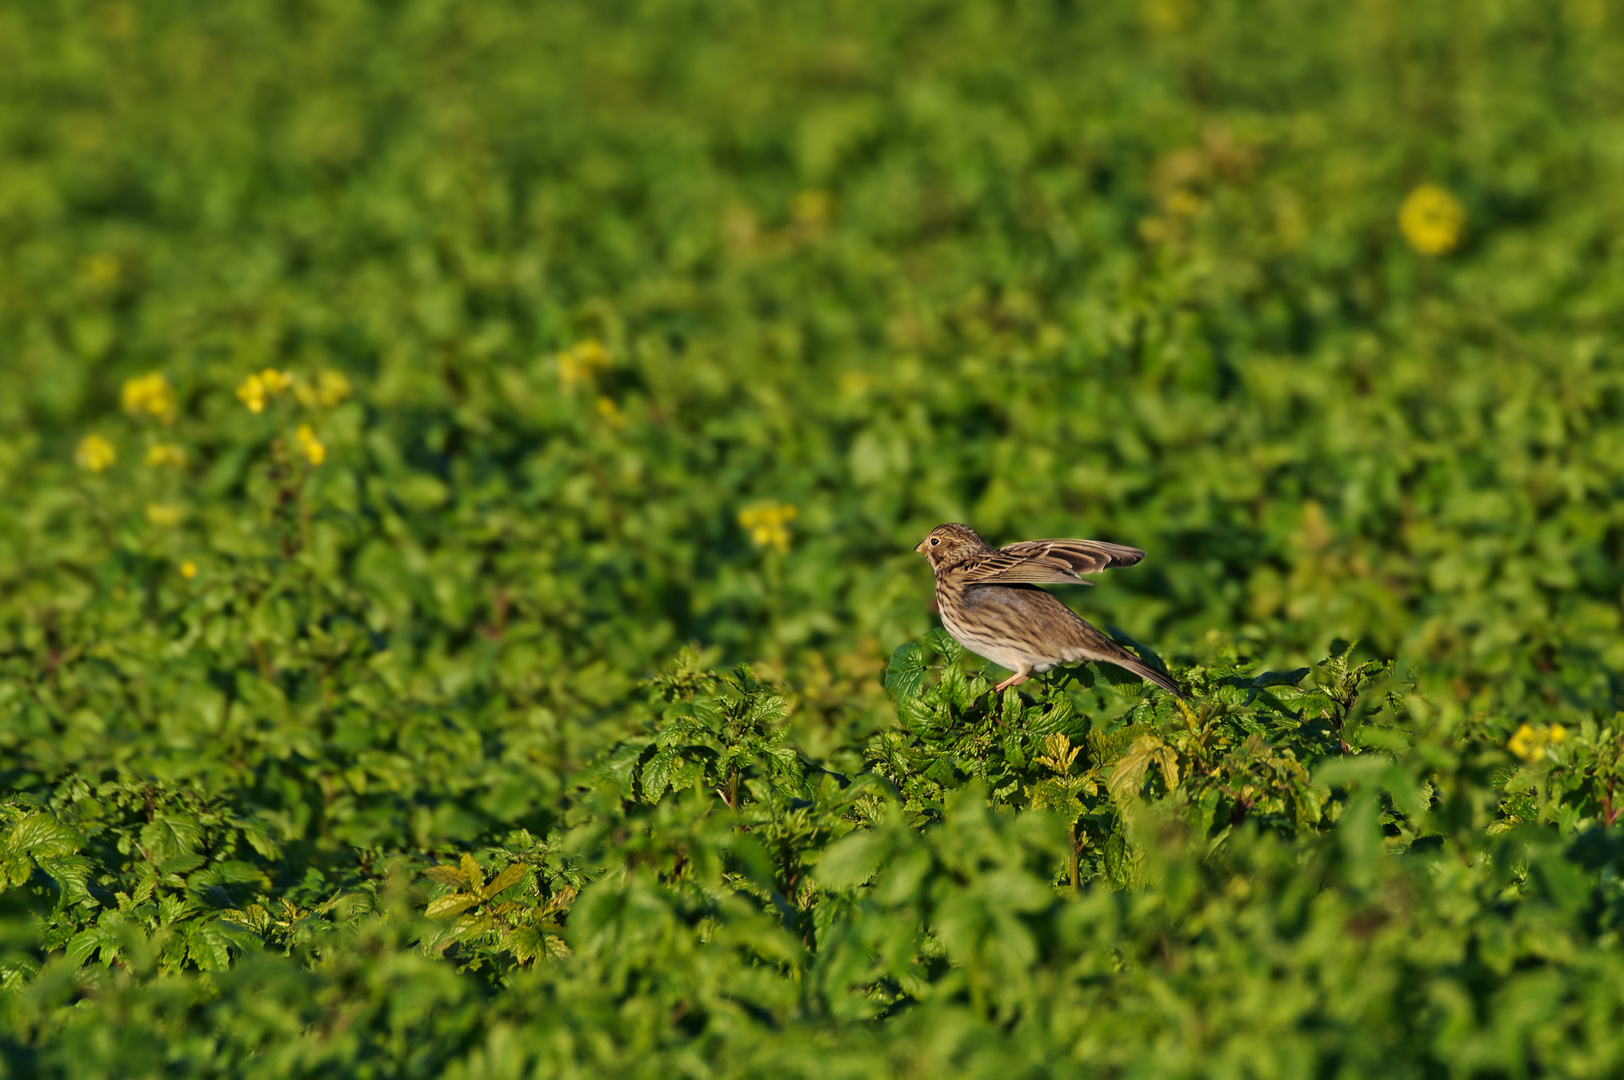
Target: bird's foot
{"x": 1014, "y": 680}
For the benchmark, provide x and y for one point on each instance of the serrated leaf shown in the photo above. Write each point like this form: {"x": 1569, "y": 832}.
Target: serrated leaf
{"x": 944, "y": 645}
{"x": 209, "y": 947}
{"x": 955, "y": 686}
{"x": 530, "y": 943}
{"x": 657, "y": 774}
{"x": 229, "y": 872}
{"x": 173, "y": 909}
{"x": 1118, "y": 861}
{"x": 906, "y": 657}
{"x": 446, "y": 875}
{"x": 72, "y": 876}
{"x": 260, "y": 839}
{"x": 1128, "y": 774}
{"x": 1280, "y": 678}
{"x": 444, "y": 907}
{"x": 82, "y": 944}
{"x": 686, "y": 774}
{"x": 42, "y": 834}
{"x": 472, "y": 874}
{"x": 621, "y": 766}
{"x": 17, "y": 870}
{"x": 173, "y": 832}
{"x": 506, "y": 879}
{"x": 918, "y": 715}
{"x": 768, "y": 709}
{"x": 1057, "y": 717}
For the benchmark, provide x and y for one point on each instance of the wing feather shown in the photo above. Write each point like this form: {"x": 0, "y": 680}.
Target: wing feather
{"x": 1049, "y": 562}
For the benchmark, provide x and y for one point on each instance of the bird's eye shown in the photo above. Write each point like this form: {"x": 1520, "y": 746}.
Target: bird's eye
{"x": 935, "y": 540}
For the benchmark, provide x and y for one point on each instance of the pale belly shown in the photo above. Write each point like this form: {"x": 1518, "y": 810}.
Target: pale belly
{"x": 998, "y": 625}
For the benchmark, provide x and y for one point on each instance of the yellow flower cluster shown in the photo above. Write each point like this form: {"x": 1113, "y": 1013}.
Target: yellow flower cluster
{"x": 329, "y": 389}
{"x": 313, "y": 449}
{"x": 769, "y": 524}
{"x": 1432, "y": 220}
{"x": 812, "y": 207}
{"x": 261, "y": 387}
{"x": 325, "y": 391}
{"x": 100, "y": 270}
{"x": 94, "y": 453}
{"x": 580, "y": 362}
{"x": 1179, "y": 207}
{"x": 188, "y": 569}
{"x": 166, "y": 453}
{"x": 611, "y": 413}
{"x": 1167, "y": 16}
{"x": 163, "y": 515}
{"x": 1530, "y": 743}
{"x": 150, "y": 395}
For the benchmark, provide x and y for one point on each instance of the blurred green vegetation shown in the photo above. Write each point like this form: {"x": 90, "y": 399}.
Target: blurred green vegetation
{"x": 339, "y": 725}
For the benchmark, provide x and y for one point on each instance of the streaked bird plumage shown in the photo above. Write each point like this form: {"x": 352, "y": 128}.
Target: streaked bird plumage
{"x": 990, "y": 601}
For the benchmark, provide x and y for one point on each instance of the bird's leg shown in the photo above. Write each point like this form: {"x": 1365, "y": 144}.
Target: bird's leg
{"x": 1014, "y": 680}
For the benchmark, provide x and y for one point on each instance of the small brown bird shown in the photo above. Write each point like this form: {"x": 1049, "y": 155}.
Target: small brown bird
{"x": 990, "y": 601}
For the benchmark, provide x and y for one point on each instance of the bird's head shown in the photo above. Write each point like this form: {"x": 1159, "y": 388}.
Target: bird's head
{"x": 950, "y": 544}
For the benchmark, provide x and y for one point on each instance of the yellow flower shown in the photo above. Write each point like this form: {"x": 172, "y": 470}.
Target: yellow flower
{"x": 812, "y": 207}
{"x": 275, "y": 381}
{"x": 188, "y": 569}
{"x": 768, "y": 524}
{"x": 1432, "y": 220}
{"x": 150, "y": 395}
{"x": 1530, "y": 743}
{"x": 314, "y": 450}
{"x": 578, "y": 363}
{"x": 100, "y": 270}
{"x": 611, "y": 413}
{"x": 261, "y": 385}
{"x": 1184, "y": 203}
{"x": 163, "y": 515}
{"x": 94, "y": 453}
{"x": 252, "y": 393}
{"x": 1167, "y": 16}
{"x": 1153, "y": 230}
{"x": 330, "y": 388}
{"x": 166, "y": 453}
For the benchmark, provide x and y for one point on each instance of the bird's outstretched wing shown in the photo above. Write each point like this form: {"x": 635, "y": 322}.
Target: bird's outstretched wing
{"x": 1049, "y": 562}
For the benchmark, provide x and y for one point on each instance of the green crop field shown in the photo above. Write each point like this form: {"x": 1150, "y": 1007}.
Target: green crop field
{"x": 460, "y": 465}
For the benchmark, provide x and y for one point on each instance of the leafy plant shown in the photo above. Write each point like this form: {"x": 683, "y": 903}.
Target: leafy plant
{"x": 372, "y": 439}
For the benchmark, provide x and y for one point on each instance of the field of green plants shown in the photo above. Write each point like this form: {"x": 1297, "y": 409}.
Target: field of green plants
{"x": 460, "y": 466}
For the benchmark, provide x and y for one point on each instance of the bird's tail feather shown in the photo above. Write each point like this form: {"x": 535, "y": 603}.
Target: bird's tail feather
{"x": 1148, "y": 673}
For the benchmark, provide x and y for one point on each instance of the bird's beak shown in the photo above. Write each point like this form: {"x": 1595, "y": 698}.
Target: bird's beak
{"x": 920, "y": 547}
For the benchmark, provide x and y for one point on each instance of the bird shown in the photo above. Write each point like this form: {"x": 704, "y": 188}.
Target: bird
{"x": 990, "y": 601}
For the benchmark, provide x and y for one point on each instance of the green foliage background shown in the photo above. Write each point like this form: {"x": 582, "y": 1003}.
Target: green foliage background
{"x": 405, "y": 778}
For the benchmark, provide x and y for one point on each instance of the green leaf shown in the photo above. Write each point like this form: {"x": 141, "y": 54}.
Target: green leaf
{"x": 42, "y": 835}
{"x": 1279, "y": 678}
{"x": 768, "y": 709}
{"x": 851, "y": 860}
{"x": 72, "y": 874}
{"x": 447, "y": 875}
{"x": 259, "y": 838}
{"x": 84, "y": 944}
{"x": 444, "y": 907}
{"x": 657, "y": 773}
{"x": 944, "y": 645}
{"x": 505, "y": 880}
{"x": 906, "y": 672}
{"x": 472, "y": 874}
